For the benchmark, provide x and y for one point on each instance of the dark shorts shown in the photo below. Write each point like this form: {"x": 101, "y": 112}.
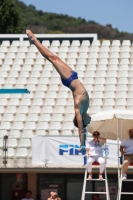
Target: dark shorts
{"x": 67, "y": 82}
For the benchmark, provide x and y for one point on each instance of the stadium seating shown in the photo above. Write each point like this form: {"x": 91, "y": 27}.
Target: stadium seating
{"x": 104, "y": 68}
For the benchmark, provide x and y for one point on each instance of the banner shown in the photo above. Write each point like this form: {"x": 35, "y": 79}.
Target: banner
{"x": 64, "y": 150}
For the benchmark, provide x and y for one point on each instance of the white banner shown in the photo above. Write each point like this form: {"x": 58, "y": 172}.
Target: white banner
{"x": 64, "y": 150}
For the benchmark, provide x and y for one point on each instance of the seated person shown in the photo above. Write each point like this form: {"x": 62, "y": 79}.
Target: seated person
{"x": 28, "y": 195}
{"x": 126, "y": 149}
{"x": 94, "y": 152}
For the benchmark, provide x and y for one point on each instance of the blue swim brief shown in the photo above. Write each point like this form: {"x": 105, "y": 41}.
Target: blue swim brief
{"x": 67, "y": 82}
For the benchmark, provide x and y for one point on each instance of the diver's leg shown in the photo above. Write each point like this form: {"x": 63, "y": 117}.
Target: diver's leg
{"x": 63, "y": 69}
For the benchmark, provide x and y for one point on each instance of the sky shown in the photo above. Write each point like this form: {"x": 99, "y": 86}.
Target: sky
{"x": 118, "y": 13}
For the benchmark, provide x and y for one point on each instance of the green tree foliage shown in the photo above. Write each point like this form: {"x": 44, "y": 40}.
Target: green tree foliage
{"x": 14, "y": 13}
{"x": 9, "y": 17}
{"x": 43, "y": 22}
{"x": 46, "y": 22}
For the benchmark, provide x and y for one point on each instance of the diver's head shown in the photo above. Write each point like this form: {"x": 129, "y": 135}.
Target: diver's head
{"x": 85, "y": 120}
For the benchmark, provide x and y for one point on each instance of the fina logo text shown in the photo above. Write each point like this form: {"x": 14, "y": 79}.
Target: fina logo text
{"x": 73, "y": 149}
{"x": 69, "y": 149}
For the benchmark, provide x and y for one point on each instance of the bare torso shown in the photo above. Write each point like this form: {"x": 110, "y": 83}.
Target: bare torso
{"x": 80, "y": 96}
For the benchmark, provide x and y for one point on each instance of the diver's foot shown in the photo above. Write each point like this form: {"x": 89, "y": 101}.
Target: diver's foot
{"x": 30, "y": 36}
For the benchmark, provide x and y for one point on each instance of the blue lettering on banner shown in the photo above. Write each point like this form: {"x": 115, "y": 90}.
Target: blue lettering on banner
{"x": 63, "y": 148}
{"x": 73, "y": 149}
{"x": 70, "y": 149}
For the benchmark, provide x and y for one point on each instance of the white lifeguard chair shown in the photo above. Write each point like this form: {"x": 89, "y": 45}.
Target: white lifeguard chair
{"x": 120, "y": 185}
{"x": 84, "y": 192}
